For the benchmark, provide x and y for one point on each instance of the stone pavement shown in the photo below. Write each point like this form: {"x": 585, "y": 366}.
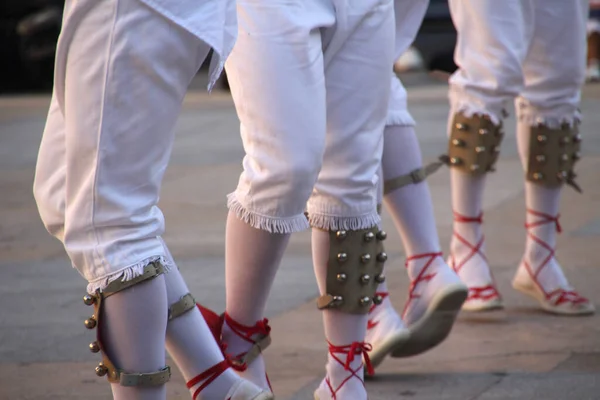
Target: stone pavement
{"x": 519, "y": 353}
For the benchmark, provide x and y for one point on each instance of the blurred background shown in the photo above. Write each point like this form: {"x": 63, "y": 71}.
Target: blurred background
{"x": 29, "y": 30}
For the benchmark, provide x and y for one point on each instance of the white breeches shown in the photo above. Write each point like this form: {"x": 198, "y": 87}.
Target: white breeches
{"x": 533, "y": 49}
{"x": 310, "y": 81}
{"x": 122, "y": 71}
{"x": 409, "y": 17}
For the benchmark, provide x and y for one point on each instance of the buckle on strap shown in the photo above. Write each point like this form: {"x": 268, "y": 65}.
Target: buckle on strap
{"x": 414, "y": 177}
{"x": 418, "y": 175}
{"x": 181, "y": 306}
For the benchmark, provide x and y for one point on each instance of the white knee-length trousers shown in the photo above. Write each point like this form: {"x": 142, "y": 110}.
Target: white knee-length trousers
{"x": 531, "y": 50}
{"x": 409, "y": 16}
{"x": 311, "y": 80}
{"x": 122, "y": 70}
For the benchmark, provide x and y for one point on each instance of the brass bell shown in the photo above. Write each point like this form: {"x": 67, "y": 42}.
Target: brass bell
{"x": 89, "y": 300}
{"x": 540, "y": 158}
{"x": 369, "y": 236}
{"x": 565, "y": 157}
{"x": 382, "y": 257}
{"x": 365, "y": 279}
{"x": 479, "y": 149}
{"x": 365, "y": 301}
{"x": 458, "y": 142}
{"x": 342, "y": 257}
{"x": 577, "y": 138}
{"x": 483, "y": 131}
{"x": 94, "y": 347}
{"x": 380, "y": 278}
{"x": 455, "y": 161}
{"x": 474, "y": 167}
{"x": 381, "y": 235}
{"x": 576, "y": 156}
{"x": 377, "y": 299}
{"x": 101, "y": 370}
{"x": 542, "y": 139}
{"x": 342, "y": 277}
{"x": 462, "y": 127}
{"x": 90, "y": 323}
{"x": 538, "y": 176}
{"x": 341, "y": 235}
{"x": 365, "y": 258}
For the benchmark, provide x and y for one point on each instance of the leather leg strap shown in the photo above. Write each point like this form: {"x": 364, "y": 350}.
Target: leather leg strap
{"x": 181, "y": 306}
{"x": 106, "y": 367}
{"x": 258, "y": 335}
{"x": 414, "y": 177}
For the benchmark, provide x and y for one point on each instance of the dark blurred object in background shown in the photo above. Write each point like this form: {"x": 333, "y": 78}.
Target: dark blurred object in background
{"x": 28, "y": 33}
{"x": 436, "y": 39}
{"x": 593, "y": 51}
{"x": 29, "y": 30}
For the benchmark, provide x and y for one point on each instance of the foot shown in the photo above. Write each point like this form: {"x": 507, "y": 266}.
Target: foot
{"x": 247, "y": 351}
{"x": 240, "y": 390}
{"x": 436, "y": 295}
{"x": 386, "y": 332}
{"x": 344, "y": 380}
{"x": 468, "y": 260}
{"x": 540, "y": 276}
{"x": 245, "y": 390}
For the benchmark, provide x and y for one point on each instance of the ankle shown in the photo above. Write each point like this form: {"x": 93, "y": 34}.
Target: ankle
{"x": 245, "y": 344}
{"x": 218, "y": 388}
{"x": 536, "y": 255}
{"x": 345, "y": 370}
{"x": 235, "y": 345}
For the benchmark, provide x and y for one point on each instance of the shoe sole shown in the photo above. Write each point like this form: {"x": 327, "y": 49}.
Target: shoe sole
{"x": 490, "y": 305}
{"x": 264, "y": 396}
{"x": 392, "y": 344}
{"x": 541, "y": 299}
{"x": 435, "y": 326}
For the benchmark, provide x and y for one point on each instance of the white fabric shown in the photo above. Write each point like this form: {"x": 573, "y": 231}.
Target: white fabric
{"x": 532, "y": 51}
{"x": 410, "y": 206}
{"x": 532, "y": 48}
{"x": 398, "y": 113}
{"x": 467, "y": 201}
{"x": 310, "y": 84}
{"x": 212, "y": 21}
{"x": 383, "y": 320}
{"x": 341, "y": 329}
{"x": 190, "y": 342}
{"x": 133, "y": 334}
{"x": 122, "y": 71}
{"x": 543, "y": 200}
{"x": 252, "y": 257}
{"x": 409, "y": 17}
